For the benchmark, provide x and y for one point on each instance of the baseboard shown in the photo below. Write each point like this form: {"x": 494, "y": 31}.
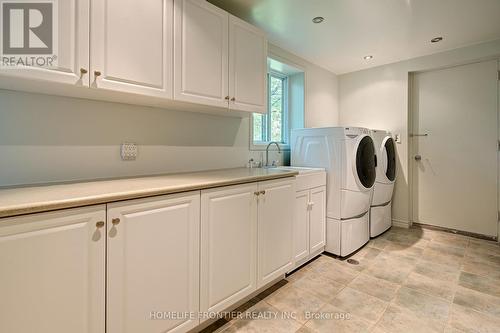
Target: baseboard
{"x": 455, "y": 231}
{"x": 401, "y": 223}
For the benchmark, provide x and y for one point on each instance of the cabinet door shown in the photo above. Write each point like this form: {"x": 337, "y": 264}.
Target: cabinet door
{"x": 132, "y": 46}
{"x": 153, "y": 264}
{"x": 228, "y": 246}
{"x": 247, "y": 67}
{"x": 301, "y": 226}
{"x": 53, "y": 272}
{"x": 201, "y": 53}
{"x": 275, "y": 229}
{"x": 317, "y": 224}
{"x": 72, "y": 51}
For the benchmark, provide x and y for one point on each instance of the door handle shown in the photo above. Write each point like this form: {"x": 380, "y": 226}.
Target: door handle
{"x": 418, "y": 157}
{"x": 426, "y": 134}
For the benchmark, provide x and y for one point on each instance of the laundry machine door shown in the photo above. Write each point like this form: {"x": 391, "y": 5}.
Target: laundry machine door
{"x": 389, "y": 159}
{"x": 364, "y": 163}
{"x": 386, "y": 160}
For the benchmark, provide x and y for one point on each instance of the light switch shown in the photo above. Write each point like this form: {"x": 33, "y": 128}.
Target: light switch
{"x": 129, "y": 151}
{"x": 397, "y": 138}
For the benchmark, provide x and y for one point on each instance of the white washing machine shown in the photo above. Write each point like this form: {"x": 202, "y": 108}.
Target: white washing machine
{"x": 380, "y": 210}
{"x": 348, "y": 156}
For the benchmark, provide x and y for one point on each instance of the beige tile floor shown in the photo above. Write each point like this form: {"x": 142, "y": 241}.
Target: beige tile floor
{"x": 407, "y": 280}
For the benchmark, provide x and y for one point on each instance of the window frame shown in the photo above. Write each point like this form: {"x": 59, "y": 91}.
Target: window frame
{"x": 285, "y": 145}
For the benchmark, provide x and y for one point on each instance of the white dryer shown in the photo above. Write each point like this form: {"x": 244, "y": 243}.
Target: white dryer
{"x": 380, "y": 210}
{"x": 348, "y": 155}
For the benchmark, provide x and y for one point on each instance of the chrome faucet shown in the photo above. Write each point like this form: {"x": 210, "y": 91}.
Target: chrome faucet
{"x": 267, "y": 150}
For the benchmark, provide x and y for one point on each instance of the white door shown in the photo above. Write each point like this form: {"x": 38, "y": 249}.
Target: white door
{"x": 52, "y": 276}
{"x": 73, "y": 48}
{"x": 275, "y": 229}
{"x": 200, "y": 53}
{"x": 317, "y": 219}
{"x": 247, "y": 67}
{"x": 301, "y": 226}
{"x": 132, "y": 46}
{"x": 153, "y": 264}
{"x": 455, "y": 143}
{"x": 228, "y": 246}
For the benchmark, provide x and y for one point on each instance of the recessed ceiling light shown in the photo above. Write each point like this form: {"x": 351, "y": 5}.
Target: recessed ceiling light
{"x": 318, "y": 19}
{"x": 368, "y": 57}
{"x": 436, "y": 39}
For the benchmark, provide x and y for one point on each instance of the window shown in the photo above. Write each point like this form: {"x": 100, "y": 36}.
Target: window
{"x": 273, "y": 125}
{"x": 285, "y": 106}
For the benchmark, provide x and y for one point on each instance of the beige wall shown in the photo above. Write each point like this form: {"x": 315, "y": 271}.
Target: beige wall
{"x": 378, "y": 98}
{"x": 321, "y": 90}
{"x": 47, "y": 138}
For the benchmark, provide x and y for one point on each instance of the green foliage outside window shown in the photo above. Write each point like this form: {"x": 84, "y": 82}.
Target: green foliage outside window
{"x": 270, "y": 126}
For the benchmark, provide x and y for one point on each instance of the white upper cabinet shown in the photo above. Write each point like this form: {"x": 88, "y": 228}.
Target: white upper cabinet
{"x": 220, "y": 60}
{"x": 73, "y": 48}
{"x": 153, "y": 264}
{"x": 173, "y": 50}
{"x": 200, "y": 53}
{"x": 275, "y": 229}
{"x": 131, "y": 46}
{"x": 247, "y": 67}
{"x": 52, "y": 276}
{"x": 228, "y": 246}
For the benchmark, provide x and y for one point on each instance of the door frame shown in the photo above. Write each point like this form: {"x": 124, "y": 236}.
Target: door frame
{"x": 412, "y": 206}
{"x": 411, "y": 148}
{"x": 498, "y": 150}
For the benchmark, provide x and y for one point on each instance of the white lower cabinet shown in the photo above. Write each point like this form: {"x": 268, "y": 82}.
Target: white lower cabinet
{"x": 153, "y": 264}
{"x": 246, "y": 240}
{"x": 309, "y": 224}
{"x": 147, "y": 265}
{"x": 275, "y": 229}
{"x": 317, "y": 220}
{"x": 301, "y": 226}
{"x": 309, "y": 220}
{"x": 53, "y": 272}
{"x": 228, "y": 246}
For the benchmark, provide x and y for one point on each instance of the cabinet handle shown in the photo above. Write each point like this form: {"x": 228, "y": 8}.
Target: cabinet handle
{"x": 233, "y": 99}
{"x": 97, "y": 73}
{"x": 99, "y": 224}
{"x": 227, "y": 98}
{"x": 115, "y": 221}
{"x": 256, "y": 193}
{"x": 262, "y": 192}
{"x": 311, "y": 203}
{"x": 83, "y": 71}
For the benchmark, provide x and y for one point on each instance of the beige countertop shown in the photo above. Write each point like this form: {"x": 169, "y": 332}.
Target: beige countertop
{"x": 35, "y": 199}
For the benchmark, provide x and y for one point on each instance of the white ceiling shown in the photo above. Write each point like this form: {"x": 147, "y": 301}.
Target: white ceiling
{"x": 390, "y": 30}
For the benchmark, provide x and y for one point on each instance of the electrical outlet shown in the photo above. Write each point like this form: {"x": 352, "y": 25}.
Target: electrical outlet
{"x": 129, "y": 151}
